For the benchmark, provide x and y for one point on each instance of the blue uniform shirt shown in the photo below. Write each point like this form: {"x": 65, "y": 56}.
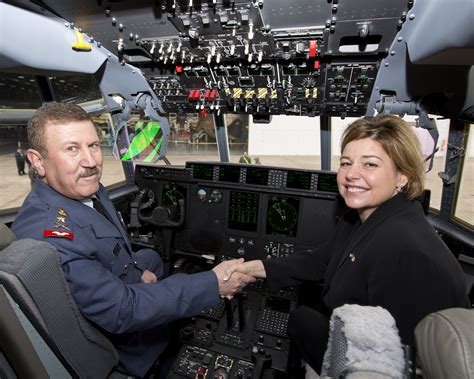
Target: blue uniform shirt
{"x": 104, "y": 275}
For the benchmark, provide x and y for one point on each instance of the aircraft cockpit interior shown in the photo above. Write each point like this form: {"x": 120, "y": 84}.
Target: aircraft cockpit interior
{"x": 220, "y": 123}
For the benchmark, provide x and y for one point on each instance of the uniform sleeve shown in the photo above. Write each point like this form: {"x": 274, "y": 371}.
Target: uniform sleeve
{"x": 119, "y": 308}
{"x": 103, "y": 297}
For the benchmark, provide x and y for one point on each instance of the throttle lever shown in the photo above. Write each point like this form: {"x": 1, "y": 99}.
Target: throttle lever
{"x": 261, "y": 360}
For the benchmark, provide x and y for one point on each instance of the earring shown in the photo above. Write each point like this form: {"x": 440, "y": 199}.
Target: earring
{"x": 398, "y": 188}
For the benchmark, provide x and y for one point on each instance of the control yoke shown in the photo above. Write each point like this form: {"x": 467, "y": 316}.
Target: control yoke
{"x": 161, "y": 215}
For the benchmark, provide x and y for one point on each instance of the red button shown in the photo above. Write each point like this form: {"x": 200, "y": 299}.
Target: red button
{"x": 313, "y": 46}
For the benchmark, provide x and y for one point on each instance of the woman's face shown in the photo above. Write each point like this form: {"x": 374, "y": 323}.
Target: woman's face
{"x": 367, "y": 176}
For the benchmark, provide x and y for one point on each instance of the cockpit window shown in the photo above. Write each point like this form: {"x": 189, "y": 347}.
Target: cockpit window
{"x": 19, "y": 98}
{"x": 192, "y": 138}
{"x": 432, "y": 180}
{"x": 464, "y": 210}
{"x": 286, "y": 141}
{"x": 78, "y": 89}
{"x": 17, "y": 91}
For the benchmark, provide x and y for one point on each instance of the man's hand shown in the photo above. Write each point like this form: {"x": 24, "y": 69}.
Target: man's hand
{"x": 148, "y": 277}
{"x": 254, "y": 268}
{"x": 234, "y": 284}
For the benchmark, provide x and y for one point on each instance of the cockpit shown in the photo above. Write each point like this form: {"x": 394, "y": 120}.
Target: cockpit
{"x": 220, "y": 124}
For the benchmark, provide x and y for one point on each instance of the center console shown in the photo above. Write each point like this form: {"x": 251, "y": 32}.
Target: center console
{"x": 207, "y": 212}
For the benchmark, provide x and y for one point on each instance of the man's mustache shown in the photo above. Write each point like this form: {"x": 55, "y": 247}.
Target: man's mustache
{"x": 89, "y": 172}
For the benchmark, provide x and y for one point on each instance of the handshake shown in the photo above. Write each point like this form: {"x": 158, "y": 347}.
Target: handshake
{"x": 235, "y": 274}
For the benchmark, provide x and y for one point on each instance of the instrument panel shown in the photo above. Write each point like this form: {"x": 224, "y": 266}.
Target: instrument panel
{"x": 232, "y": 211}
{"x": 250, "y": 211}
{"x": 309, "y": 57}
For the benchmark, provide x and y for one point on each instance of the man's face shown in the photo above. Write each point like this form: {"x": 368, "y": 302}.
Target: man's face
{"x": 73, "y": 166}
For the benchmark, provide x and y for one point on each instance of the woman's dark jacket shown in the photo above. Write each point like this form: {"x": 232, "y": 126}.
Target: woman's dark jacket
{"x": 395, "y": 259}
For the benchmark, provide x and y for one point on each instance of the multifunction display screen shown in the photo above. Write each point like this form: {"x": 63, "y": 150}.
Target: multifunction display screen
{"x": 230, "y": 174}
{"x": 172, "y": 193}
{"x": 282, "y": 216}
{"x": 203, "y": 171}
{"x": 298, "y": 180}
{"x": 243, "y": 211}
{"x": 257, "y": 176}
{"x": 327, "y": 183}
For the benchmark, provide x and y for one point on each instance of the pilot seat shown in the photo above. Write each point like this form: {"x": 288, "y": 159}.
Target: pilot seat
{"x": 42, "y": 332}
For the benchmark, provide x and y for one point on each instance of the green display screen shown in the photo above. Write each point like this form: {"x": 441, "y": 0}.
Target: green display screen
{"x": 256, "y": 176}
{"x": 282, "y": 216}
{"x": 298, "y": 180}
{"x": 243, "y": 211}
{"x": 230, "y": 174}
{"x": 203, "y": 171}
{"x": 327, "y": 183}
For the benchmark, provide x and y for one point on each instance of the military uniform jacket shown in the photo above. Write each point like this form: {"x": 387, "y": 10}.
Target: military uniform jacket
{"x": 104, "y": 275}
{"x": 395, "y": 260}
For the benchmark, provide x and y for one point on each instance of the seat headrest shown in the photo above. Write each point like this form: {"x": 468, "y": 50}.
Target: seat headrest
{"x": 444, "y": 342}
{"x": 6, "y": 236}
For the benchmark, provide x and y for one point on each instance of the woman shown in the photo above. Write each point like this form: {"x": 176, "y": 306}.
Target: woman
{"x": 383, "y": 251}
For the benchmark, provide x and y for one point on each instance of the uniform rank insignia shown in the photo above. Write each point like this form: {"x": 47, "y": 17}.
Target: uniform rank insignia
{"x": 58, "y": 234}
{"x": 61, "y": 219}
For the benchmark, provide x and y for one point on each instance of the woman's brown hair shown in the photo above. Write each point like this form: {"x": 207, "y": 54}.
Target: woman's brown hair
{"x": 400, "y": 143}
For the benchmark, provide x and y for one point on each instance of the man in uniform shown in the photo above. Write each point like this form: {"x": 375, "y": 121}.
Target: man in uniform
{"x": 117, "y": 289}
{"x": 20, "y": 161}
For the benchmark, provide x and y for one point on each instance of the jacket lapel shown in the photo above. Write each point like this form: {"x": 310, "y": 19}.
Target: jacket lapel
{"x": 379, "y": 216}
{"x": 110, "y": 209}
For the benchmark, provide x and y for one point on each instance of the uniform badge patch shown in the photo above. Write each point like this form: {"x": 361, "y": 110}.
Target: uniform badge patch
{"x": 60, "y": 226}
{"x": 58, "y": 234}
